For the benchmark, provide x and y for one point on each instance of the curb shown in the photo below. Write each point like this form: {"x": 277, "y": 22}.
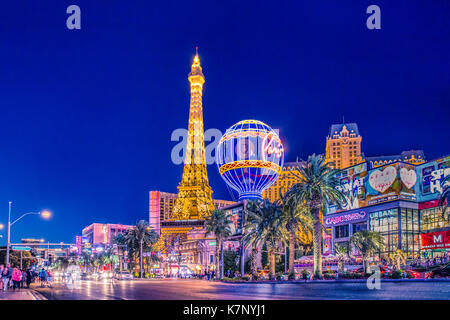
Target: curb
{"x": 37, "y": 295}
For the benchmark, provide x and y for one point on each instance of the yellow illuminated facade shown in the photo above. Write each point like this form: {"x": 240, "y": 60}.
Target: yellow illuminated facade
{"x": 343, "y": 147}
{"x": 287, "y": 178}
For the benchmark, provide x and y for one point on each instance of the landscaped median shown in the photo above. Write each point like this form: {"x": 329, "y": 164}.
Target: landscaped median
{"x": 236, "y": 280}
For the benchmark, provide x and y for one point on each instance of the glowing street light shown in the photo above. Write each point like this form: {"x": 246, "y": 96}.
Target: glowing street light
{"x": 44, "y": 214}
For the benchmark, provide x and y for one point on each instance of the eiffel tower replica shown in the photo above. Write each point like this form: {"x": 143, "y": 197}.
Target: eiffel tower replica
{"x": 194, "y": 201}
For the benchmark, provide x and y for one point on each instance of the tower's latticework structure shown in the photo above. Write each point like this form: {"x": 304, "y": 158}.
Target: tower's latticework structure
{"x": 194, "y": 199}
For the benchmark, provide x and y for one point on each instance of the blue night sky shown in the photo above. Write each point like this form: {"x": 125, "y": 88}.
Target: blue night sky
{"x": 87, "y": 115}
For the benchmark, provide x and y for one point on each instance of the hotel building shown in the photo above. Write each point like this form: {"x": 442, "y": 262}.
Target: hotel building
{"x": 287, "y": 178}
{"x": 102, "y": 234}
{"x": 343, "y": 148}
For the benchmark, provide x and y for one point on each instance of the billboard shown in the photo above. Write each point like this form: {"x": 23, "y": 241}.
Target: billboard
{"x": 435, "y": 240}
{"x": 430, "y": 176}
{"x": 363, "y": 187}
{"x": 235, "y": 215}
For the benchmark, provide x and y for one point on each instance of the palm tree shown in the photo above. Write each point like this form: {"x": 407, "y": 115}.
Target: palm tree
{"x": 264, "y": 226}
{"x": 121, "y": 242}
{"x": 398, "y": 257}
{"x": 141, "y": 236}
{"x": 317, "y": 188}
{"x": 295, "y": 217}
{"x": 85, "y": 260}
{"x": 220, "y": 225}
{"x": 444, "y": 200}
{"x": 341, "y": 252}
{"x": 367, "y": 243}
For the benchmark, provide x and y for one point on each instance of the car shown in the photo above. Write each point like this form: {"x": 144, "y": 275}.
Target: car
{"x": 123, "y": 275}
{"x": 106, "y": 275}
{"x": 95, "y": 276}
{"x": 85, "y": 276}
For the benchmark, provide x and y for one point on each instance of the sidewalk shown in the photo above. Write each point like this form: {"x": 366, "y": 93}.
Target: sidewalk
{"x": 23, "y": 294}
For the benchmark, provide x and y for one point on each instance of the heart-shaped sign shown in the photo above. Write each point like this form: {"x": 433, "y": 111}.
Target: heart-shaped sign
{"x": 409, "y": 177}
{"x": 381, "y": 180}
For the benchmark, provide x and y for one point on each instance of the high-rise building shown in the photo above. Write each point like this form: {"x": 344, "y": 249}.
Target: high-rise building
{"x": 343, "y": 147}
{"x": 194, "y": 199}
{"x": 287, "y": 178}
{"x": 161, "y": 206}
{"x": 103, "y": 233}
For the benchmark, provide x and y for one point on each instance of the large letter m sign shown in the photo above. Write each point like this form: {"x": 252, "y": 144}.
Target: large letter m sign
{"x": 437, "y": 239}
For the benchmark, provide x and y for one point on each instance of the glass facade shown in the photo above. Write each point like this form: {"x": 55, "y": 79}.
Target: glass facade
{"x": 410, "y": 234}
{"x": 399, "y": 227}
{"x": 386, "y": 222}
{"x": 432, "y": 218}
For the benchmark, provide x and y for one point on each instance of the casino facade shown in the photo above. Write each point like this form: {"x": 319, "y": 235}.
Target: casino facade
{"x": 399, "y": 200}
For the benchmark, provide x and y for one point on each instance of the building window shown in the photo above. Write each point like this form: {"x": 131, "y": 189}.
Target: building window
{"x": 341, "y": 231}
{"x": 359, "y": 227}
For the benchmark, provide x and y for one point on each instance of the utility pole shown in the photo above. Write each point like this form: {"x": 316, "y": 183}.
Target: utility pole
{"x": 9, "y": 234}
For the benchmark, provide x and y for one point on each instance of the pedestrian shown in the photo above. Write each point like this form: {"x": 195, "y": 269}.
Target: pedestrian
{"x": 49, "y": 279}
{"x": 43, "y": 277}
{"x": 29, "y": 277}
{"x": 16, "y": 277}
{"x": 5, "y": 277}
{"x": 2, "y": 267}
{"x": 24, "y": 277}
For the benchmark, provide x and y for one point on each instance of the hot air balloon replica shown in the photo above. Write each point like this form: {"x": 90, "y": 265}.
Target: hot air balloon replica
{"x": 250, "y": 157}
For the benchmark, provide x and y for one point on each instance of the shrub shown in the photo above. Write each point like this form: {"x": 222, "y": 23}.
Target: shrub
{"x": 305, "y": 274}
{"x": 397, "y": 274}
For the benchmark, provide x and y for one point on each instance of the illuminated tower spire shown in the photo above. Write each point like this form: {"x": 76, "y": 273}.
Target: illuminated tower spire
{"x": 194, "y": 193}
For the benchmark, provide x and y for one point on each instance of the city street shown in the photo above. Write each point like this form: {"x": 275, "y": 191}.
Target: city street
{"x": 183, "y": 289}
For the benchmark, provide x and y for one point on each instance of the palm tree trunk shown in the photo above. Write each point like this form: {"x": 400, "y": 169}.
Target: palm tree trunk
{"x": 340, "y": 266}
{"x": 365, "y": 264}
{"x": 218, "y": 245}
{"x": 140, "y": 258}
{"x": 291, "y": 253}
{"x": 271, "y": 262}
{"x": 221, "y": 260}
{"x": 254, "y": 266}
{"x": 317, "y": 242}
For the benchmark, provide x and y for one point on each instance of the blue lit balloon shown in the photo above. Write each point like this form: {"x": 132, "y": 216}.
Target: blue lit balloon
{"x": 250, "y": 157}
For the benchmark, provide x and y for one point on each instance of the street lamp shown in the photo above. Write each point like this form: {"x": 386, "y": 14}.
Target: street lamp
{"x": 44, "y": 214}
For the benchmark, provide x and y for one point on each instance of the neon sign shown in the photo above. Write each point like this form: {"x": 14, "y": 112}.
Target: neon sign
{"x": 345, "y": 218}
{"x": 270, "y": 147}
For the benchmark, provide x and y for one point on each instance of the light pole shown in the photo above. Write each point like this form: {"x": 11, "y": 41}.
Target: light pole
{"x": 45, "y": 214}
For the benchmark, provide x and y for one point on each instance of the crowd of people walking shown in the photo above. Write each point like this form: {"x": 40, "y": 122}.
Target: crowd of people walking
{"x": 16, "y": 278}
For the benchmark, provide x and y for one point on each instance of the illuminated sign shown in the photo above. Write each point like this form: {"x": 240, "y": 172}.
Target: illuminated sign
{"x": 435, "y": 240}
{"x": 380, "y": 180}
{"x": 271, "y": 145}
{"x": 344, "y": 218}
{"x": 431, "y": 175}
{"x": 17, "y": 248}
